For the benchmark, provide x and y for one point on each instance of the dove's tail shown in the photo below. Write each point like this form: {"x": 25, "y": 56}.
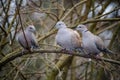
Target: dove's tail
{"x": 108, "y": 51}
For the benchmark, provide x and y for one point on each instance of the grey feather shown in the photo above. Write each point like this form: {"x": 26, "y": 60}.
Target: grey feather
{"x": 91, "y": 43}
{"x": 66, "y": 37}
{"x": 27, "y": 38}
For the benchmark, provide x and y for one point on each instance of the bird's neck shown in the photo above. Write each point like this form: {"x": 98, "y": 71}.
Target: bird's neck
{"x": 86, "y": 33}
{"x": 62, "y": 28}
{"x": 28, "y": 32}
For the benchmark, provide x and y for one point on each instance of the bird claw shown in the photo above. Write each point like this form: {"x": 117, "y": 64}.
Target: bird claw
{"x": 97, "y": 56}
{"x": 63, "y": 50}
{"x": 87, "y": 55}
{"x": 23, "y": 51}
{"x": 70, "y": 52}
{"x": 67, "y": 51}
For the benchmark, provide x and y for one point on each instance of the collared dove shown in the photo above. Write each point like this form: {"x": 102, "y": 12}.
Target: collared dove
{"x": 67, "y": 38}
{"x": 27, "y": 38}
{"x": 91, "y": 43}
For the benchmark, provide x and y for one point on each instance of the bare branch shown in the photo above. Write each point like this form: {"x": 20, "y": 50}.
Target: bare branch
{"x": 11, "y": 56}
{"x": 100, "y": 20}
{"x": 72, "y": 9}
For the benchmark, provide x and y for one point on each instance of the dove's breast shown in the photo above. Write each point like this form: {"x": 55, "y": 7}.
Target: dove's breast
{"x": 63, "y": 38}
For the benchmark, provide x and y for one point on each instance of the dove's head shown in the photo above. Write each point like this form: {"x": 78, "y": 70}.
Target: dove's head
{"x": 31, "y": 28}
{"x": 82, "y": 28}
{"x": 60, "y": 24}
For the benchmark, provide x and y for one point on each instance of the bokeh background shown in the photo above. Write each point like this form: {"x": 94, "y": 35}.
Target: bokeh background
{"x": 101, "y": 16}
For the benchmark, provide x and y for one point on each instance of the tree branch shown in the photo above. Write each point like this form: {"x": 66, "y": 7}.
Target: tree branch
{"x": 12, "y": 56}
{"x": 100, "y": 20}
{"x": 81, "y": 2}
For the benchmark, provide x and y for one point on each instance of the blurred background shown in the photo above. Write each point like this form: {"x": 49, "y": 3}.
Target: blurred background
{"x": 101, "y": 16}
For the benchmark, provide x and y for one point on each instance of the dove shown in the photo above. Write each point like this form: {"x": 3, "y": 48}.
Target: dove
{"x": 91, "y": 43}
{"x": 67, "y": 38}
{"x": 27, "y": 38}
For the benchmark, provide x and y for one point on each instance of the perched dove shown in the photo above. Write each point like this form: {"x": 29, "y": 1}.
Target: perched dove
{"x": 91, "y": 43}
{"x": 67, "y": 38}
{"x": 27, "y": 39}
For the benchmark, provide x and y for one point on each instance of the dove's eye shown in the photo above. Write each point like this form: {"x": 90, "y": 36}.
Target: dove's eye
{"x": 79, "y": 26}
{"x": 30, "y": 27}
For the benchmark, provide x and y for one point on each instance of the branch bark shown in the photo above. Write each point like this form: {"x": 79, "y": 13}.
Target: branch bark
{"x": 12, "y": 56}
{"x": 100, "y": 20}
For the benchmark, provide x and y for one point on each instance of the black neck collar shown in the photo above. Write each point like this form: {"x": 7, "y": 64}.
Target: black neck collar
{"x": 86, "y": 31}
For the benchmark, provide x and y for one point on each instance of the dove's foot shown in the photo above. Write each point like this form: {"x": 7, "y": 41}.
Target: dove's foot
{"x": 70, "y": 52}
{"x": 24, "y": 51}
{"x": 64, "y": 50}
{"x": 97, "y": 56}
{"x": 67, "y": 51}
{"x": 87, "y": 55}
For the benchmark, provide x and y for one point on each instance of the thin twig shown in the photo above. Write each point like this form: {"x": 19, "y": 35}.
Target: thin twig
{"x": 18, "y": 8}
{"x": 109, "y": 27}
{"x": 72, "y": 9}
{"x": 100, "y": 20}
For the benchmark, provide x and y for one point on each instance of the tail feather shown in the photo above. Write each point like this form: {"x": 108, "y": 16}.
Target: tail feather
{"x": 108, "y": 51}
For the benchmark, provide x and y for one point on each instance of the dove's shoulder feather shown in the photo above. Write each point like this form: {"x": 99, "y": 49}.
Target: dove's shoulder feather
{"x": 76, "y": 39}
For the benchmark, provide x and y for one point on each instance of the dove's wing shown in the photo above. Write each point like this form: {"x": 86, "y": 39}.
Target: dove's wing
{"x": 22, "y": 40}
{"x": 75, "y": 40}
{"x": 99, "y": 43}
{"x": 34, "y": 42}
